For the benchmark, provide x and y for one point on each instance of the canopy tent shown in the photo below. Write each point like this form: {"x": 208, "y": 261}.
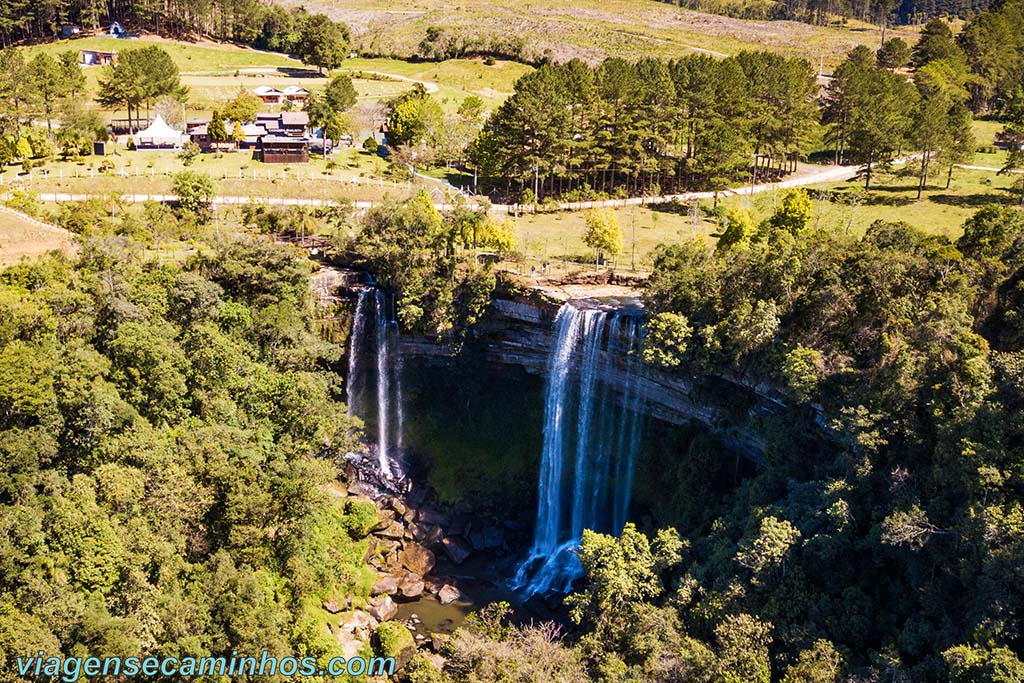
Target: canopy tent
{"x": 159, "y": 134}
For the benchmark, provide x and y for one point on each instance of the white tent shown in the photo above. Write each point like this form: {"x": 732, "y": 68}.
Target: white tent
{"x": 159, "y": 134}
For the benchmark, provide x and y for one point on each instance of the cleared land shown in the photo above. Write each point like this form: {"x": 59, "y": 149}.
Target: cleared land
{"x": 589, "y": 29}
{"x": 21, "y": 237}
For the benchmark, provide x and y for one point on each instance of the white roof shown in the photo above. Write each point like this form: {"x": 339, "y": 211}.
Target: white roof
{"x": 159, "y": 131}
{"x": 295, "y": 90}
{"x": 266, "y": 90}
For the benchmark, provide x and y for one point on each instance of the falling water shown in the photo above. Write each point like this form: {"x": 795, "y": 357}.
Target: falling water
{"x": 375, "y": 328}
{"x": 591, "y": 432}
{"x": 352, "y": 385}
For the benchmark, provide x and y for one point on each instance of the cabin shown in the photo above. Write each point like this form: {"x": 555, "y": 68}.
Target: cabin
{"x": 276, "y": 149}
{"x": 295, "y": 94}
{"x": 268, "y": 95}
{"x": 199, "y": 131}
{"x": 98, "y": 57}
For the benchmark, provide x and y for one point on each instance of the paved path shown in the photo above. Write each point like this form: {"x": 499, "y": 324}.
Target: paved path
{"x": 807, "y": 175}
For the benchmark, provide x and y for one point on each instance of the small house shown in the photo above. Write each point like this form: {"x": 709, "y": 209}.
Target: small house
{"x": 276, "y": 149}
{"x": 98, "y": 57}
{"x": 295, "y": 94}
{"x": 268, "y": 95}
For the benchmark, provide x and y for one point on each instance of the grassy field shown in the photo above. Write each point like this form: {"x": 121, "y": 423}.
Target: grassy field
{"x": 214, "y": 73}
{"x": 840, "y": 207}
{"x": 355, "y": 175}
{"x": 22, "y": 238}
{"x": 845, "y": 207}
{"x": 589, "y": 29}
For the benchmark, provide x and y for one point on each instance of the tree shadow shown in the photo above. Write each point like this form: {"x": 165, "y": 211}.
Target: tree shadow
{"x": 977, "y": 200}
{"x": 298, "y": 72}
{"x": 877, "y": 197}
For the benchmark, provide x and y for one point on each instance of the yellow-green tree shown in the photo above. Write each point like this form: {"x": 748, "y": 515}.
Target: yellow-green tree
{"x": 603, "y": 233}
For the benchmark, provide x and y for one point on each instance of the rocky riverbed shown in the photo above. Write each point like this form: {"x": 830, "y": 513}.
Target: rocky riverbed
{"x": 425, "y": 561}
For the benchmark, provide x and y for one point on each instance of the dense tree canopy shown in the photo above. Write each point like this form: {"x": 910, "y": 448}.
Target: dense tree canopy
{"x": 166, "y": 431}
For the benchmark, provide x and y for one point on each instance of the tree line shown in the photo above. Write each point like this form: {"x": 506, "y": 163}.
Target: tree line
{"x": 699, "y": 123}
{"x": 822, "y": 12}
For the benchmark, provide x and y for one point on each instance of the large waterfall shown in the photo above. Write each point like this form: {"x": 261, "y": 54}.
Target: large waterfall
{"x": 373, "y": 366}
{"x": 591, "y": 431}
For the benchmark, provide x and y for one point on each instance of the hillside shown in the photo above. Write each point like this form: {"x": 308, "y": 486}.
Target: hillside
{"x": 587, "y": 29}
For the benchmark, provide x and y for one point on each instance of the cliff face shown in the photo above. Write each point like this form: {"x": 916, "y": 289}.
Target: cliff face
{"x": 520, "y": 331}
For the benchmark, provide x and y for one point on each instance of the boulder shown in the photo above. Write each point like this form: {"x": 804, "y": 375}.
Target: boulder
{"x": 350, "y": 644}
{"x": 392, "y": 530}
{"x": 427, "y": 534}
{"x": 398, "y": 506}
{"x": 417, "y": 559}
{"x": 456, "y": 548}
{"x": 385, "y": 519}
{"x": 362, "y": 489}
{"x": 436, "y": 660}
{"x": 385, "y": 584}
{"x": 431, "y": 517}
{"x": 361, "y": 622}
{"x": 382, "y": 608}
{"x": 354, "y": 632}
{"x": 332, "y": 606}
{"x": 392, "y": 639}
{"x": 411, "y": 586}
{"x": 448, "y": 594}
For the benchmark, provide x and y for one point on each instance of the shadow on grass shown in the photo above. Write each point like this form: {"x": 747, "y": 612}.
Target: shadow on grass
{"x": 977, "y": 200}
{"x": 298, "y": 72}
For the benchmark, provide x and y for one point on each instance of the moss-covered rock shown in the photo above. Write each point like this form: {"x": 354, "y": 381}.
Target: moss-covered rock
{"x": 392, "y": 639}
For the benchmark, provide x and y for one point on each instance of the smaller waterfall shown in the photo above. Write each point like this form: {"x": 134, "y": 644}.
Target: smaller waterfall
{"x": 591, "y": 433}
{"x": 352, "y": 381}
{"x": 375, "y": 331}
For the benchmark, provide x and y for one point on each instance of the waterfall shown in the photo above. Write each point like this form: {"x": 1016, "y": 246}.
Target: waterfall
{"x": 375, "y": 328}
{"x": 591, "y": 432}
{"x": 352, "y": 385}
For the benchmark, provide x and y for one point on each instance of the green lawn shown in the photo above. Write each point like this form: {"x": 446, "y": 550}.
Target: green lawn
{"x": 841, "y": 207}
{"x": 190, "y": 57}
{"x": 214, "y": 73}
{"x": 356, "y": 175}
{"x": 845, "y": 207}
{"x": 559, "y": 236}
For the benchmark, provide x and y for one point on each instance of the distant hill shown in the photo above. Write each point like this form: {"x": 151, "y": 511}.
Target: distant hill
{"x": 588, "y": 29}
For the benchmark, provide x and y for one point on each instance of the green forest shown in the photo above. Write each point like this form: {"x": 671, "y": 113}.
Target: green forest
{"x": 168, "y": 432}
{"x": 199, "y": 393}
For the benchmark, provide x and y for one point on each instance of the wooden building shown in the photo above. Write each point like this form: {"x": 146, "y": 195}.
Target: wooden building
{"x": 276, "y": 149}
